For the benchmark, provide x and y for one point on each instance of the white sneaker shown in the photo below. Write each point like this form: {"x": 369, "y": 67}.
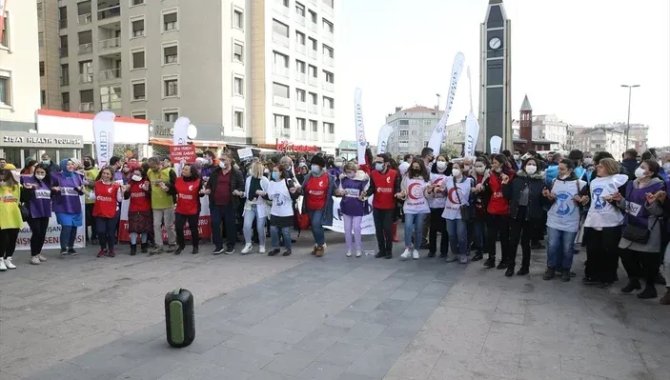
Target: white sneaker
{"x": 359, "y": 253}
{"x": 3, "y": 267}
{"x": 261, "y": 249}
{"x": 247, "y": 248}
{"x": 41, "y": 257}
{"x": 415, "y": 254}
{"x": 348, "y": 253}
{"x": 406, "y": 254}
{"x": 9, "y": 264}
{"x": 35, "y": 260}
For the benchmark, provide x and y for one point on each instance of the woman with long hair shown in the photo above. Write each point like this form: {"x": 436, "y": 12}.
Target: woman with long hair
{"x": 187, "y": 190}
{"x": 10, "y": 215}
{"x": 480, "y": 173}
{"x": 254, "y": 207}
{"x": 436, "y": 201}
{"x": 282, "y": 191}
{"x": 457, "y": 189}
{"x": 37, "y": 198}
{"x": 318, "y": 189}
{"x": 413, "y": 189}
{"x": 496, "y": 193}
{"x": 140, "y": 223}
{"x": 108, "y": 195}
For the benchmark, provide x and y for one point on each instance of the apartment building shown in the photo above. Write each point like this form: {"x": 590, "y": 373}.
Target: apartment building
{"x": 243, "y": 71}
{"x": 412, "y": 128}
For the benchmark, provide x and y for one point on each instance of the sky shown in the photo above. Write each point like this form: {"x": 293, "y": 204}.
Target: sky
{"x": 569, "y": 56}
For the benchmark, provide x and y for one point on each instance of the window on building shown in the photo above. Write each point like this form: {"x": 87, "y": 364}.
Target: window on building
{"x": 84, "y": 12}
{"x": 299, "y": 9}
{"x": 86, "y": 71}
{"x": 86, "y": 100}
{"x": 238, "y": 119}
{"x": 313, "y": 72}
{"x": 329, "y": 128}
{"x": 139, "y": 115}
{"x": 85, "y": 42}
{"x": 136, "y": 2}
{"x": 40, "y": 39}
{"x": 137, "y": 27}
{"x": 313, "y": 44}
{"x": 65, "y": 101}
{"x": 327, "y": 26}
{"x": 5, "y": 88}
{"x": 312, "y": 16}
{"x": 280, "y": 60}
{"x": 283, "y": 125}
{"x": 328, "y": 102}
{"x": 329, "y": 3}
{"x": 138, "y": 59}
{"x": 313, "y": 98}
{"x": 238, "y": 19}
{"x": 280, "y": 90}
{"x": 5, "y": 31}
{"x": 404, "y": 133}
{"x": 279, "y": 28}
{"x": 39, "y": 10}
{"x": 62, "y": 17}
{"x": 170, "y": 21}
{"x": 299, "y": 66}
{"x": 139, "y": 90}
{"x": 328, "y": 51}
{"x": 238, "y": 52}
{"x": 238, "y": 86}
{"x": 110, "y": 97}
{"x": 170, "y": 54}
{"x": 170, "y": 116}
{"x": 314, "y": 126}
{"x": 302, "y": 124}
{"x": 330, "y": 77}
{"x": 403, "y": 122}
{"x": 64, "y": 74}
{"x": 63, "y": 46}
{"x": 41, "y": 68}
{"x": 300, "y": 95}
{"x": 171, "y": 87}
{"x": 300, "y": 38}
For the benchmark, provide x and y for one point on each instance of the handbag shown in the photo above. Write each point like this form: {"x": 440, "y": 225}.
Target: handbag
{"x": 637, "y": 234}
{"x": 466, "y": 211}
{"x": 25, "y": 212}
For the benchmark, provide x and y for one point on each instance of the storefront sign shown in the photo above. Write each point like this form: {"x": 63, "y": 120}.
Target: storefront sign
{"x": 40, "y": 140}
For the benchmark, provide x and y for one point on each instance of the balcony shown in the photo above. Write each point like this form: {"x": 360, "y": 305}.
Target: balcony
{"x": 302, "y": 135}
{"x": 280, "y": 71}
{"x": 328, "y": 112}
{"x": 328, "y": 61}
{"x": 312, "y": 54}
{"x": 85, "y": 48}
{"x": 62, "y": 23}
{"x": 314, "y": 82}
{"x": 280, "y": 40}
{"x": 110, "y": 74}
{"x": 300, "y": 77}
{"x": 312, "y": 26}
{"x": 286, "y": 133}
{"x": 281, "y": 101}
{"x": 301, "y": 106}
{"x": 86, "y": 107}
{"x": 110, "y": 12}
{"x": 314, "y": 109}
{"x": 63, "y": 52}
{"x": 329, "y": 86}
{"x": 327, "y": 10}
{"x": 328, "y": 36}
{"x": 110, "y": 43}
{"x": 301, "y": 49}
{"x": 300, "y": 20}
{"x": 86, "y": 78}
{"x": 84, "y": 19}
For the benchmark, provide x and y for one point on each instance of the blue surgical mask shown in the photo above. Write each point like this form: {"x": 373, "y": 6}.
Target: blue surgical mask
{"x": 379, "y": 166}
{"x": 276, "y": 176}
{"x": 316, "y": 169}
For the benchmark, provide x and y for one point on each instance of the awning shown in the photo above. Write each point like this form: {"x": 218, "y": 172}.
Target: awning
{"x": 197, "y": 143}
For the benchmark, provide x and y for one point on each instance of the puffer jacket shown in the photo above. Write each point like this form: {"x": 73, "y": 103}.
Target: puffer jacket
{"x": 536, "y": 202}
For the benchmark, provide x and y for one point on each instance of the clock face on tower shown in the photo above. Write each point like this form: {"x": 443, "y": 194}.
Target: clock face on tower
{"x": 495, "y": 43}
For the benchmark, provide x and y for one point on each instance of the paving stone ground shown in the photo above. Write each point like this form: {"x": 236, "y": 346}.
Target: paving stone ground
{"x": 301, "y": 317}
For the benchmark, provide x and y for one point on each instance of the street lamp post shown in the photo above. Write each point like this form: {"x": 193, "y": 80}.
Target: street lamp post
{"x": 630, "y": 88}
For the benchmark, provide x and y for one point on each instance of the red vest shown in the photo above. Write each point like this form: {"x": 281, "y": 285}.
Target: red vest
{"x": 317, "y": 188}
{"x": 140, "y": 200}
{"x": 498, "y": 205}
{"x": 105, "y": 199}
{"x": 188, "y": 198}
{"x": 385, "y": 183}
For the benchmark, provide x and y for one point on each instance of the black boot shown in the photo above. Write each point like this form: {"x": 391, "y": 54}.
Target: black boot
{"x": 133, "y": 249}
{"x": 502, "y": 264}
{"x": 195, "y": 250}
{"x": 478, "y": 256}
{"x": 490, "y": 262}
{"x": 380, "y": 254}
{"x": 523, "y": 271}
{"x": 660, "y": 279}
{"x": 510, "y": 271}
{"x": 633, "y": 284}
{"x": 649, "y": 291}
{"x": 144, "y": 247}
{"x": 549, "y": 274}
{"x": 431, "y": 254}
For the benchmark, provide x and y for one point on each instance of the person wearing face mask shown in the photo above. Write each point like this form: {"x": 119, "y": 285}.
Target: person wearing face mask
{"x": 480, "y": 174}
{"x": 413, "y": 190}
{"x": 384, "y": 184}
{"x": 640, "y": 252}
{"x": 46, "y": 160}
{"x": 436, "y": 202}
{"x": 162, "y": 204}
{"x": 67, "y": 187}
{"x": 37, "y": 198}
{"x": 116, "y": 164}
{"x": 254, "y": 207}
{"x": 139, "y": 210}
{"x": 10, "y": 215}
{"x": 282, "y": 191}
{"x": 588, "y": 166}
{"x": 517, "y": 160}
{"x": 318, "y": 189}
{"x": 90, "y": 174}
{"x": 225, "y": 189}
{"x": 354, "y": 205}
{"x": 336, "y": 169}
{"x": 496, "y": 193}
{"x": 187, "y": 190}
{"x": 567, "y": 195}
{"x": 457, "y": 189}
{"x": 526, "y": 211}
{"x": 108, "y": 194}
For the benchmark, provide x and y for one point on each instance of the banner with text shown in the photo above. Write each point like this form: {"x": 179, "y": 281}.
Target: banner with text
{"x": 367, "y": 224}
{"x": 103, "y": 135}
{"x": 440, "y": 131}
{"x": 383, "y": 138}
{"x": 52, "y": 238}
{"x": 361, "y": 142}
{"x": 471, "y": 134}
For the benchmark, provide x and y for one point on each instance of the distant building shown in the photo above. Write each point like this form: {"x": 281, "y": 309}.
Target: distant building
{"x": 600, "y": 139}
{"x": 525, "y": 137}
{"x": 412, "y": 128}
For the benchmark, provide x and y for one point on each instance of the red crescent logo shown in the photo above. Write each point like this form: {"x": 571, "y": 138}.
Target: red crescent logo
{"x": 109, "y": 190}
{"x": 438, "y": 181}
{"x": 388, "y": 179}
{"x": 320, "y": 183}
{"x": 410, "y": 191}
{"x": 453, "y": 199}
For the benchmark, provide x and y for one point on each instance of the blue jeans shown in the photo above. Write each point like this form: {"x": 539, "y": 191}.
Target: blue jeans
{"x": 247, "y": 229}
{"x": 458, "y": 236}
{"x": 414, "y": 227}
{"x": 316, "y": 218}
{"x": 559, "y": 248}
{"x": 274, "y": 236}
{"x": 227, "y": 215}
{"x": 67, "y": 236}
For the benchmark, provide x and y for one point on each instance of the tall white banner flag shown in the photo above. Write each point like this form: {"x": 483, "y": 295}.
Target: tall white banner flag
{"x": 361, "y": 142}
{"x": 103, "y": 134}
{"x": 496, "y": 144}
{"x": 180, "y": 131}
{"x": 383, "y": 138}
{"x": 440, "y": 130}
{"x": 471, "y": 134}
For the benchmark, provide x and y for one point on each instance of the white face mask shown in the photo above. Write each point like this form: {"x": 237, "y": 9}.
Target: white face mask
{"x": 456, "y": 172}
{"x": 40, "y": 176}
{"x": 639, "y": 173}
{"x": 588, "y": 161}
{"x": 136, "y": 178}
{"x": 531, "y": 169}
{"x": 516, "y": 157}
{"x": 222, "y": 165}
{"x": 338, "y": 164}
{"x": 441, "y": 165}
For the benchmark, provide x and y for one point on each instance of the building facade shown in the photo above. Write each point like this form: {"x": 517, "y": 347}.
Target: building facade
{"x": 243, "y": 71}
{"x": 412, "y": 128}
{"x": 600, "y": 139}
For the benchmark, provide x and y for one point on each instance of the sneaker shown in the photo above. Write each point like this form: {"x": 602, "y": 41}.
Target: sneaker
{"x": 35, "y": 260}
{"x": 320, "y": 250}
{"x": 510, "y": 271}
{"x": 10, "y": 265}
{"x": 523, "y": 271}
{"x": 229, "y": 251}
{"x": 157, "y": 250}
{"x": 477, "y": 257}
{"x": 247, "y": 248}
{"x": 171, "y": 248}
{"x": 502, "y": 265}
{"x": 218, "y": 251}
{"x": 415, "y": 255}
{"x": 314, "y": 250}
{"x": 101, "y": 253}
{"x": 286, "y": 253}
{"x": 590, "y": 281}
{"x": 665, "y": 300}
{"x": 359, "y": 253}
{"x": 633, "y": 284}
{"x": 463, "y": 259}
{"x": 179, "y": 250}
{"x": 648, "y": 292}
{"x": 431, "y": 254}
{"x": 194, "y": 251}
{"x": 144, "y": 248}
{"x": 348, "y": 254}
{"x": 406, "y": 254}
{"x": 71, "y": 251}
{"x": 273, "y": 252}
{"x": 111, "y": 253}
{"x": 549, "y": 274}
{"x": 451, "y": 259}
{"x": 565, "y": 276}
{"x": 63, "y": 252}
{"x": 261, "y": 249}
{"x": 380, "y": 254}
{"x": 490, "y": 262}
{"x": 41, "y": 257}
{"x": 3, "y": 267}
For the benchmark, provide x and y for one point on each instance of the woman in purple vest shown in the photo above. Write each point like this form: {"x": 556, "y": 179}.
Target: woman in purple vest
{"x": 353, "y": 185}
{"x": 641, "y": 257}
{"x": 37, "y": 198}
{"x": 67, "y": 187}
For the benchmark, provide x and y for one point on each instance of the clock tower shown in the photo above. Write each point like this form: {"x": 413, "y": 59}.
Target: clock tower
{"x": 495, "y": 109}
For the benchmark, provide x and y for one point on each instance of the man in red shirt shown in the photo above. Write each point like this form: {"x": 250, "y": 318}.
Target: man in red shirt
{"x": 384, "y": 184}
{"x": 224, "y": 187}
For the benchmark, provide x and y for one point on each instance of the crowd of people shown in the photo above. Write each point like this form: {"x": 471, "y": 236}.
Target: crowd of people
{"x": 477, "y": 205}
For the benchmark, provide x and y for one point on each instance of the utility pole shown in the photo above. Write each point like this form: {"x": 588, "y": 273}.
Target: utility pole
{"x": 630, "y": 88}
